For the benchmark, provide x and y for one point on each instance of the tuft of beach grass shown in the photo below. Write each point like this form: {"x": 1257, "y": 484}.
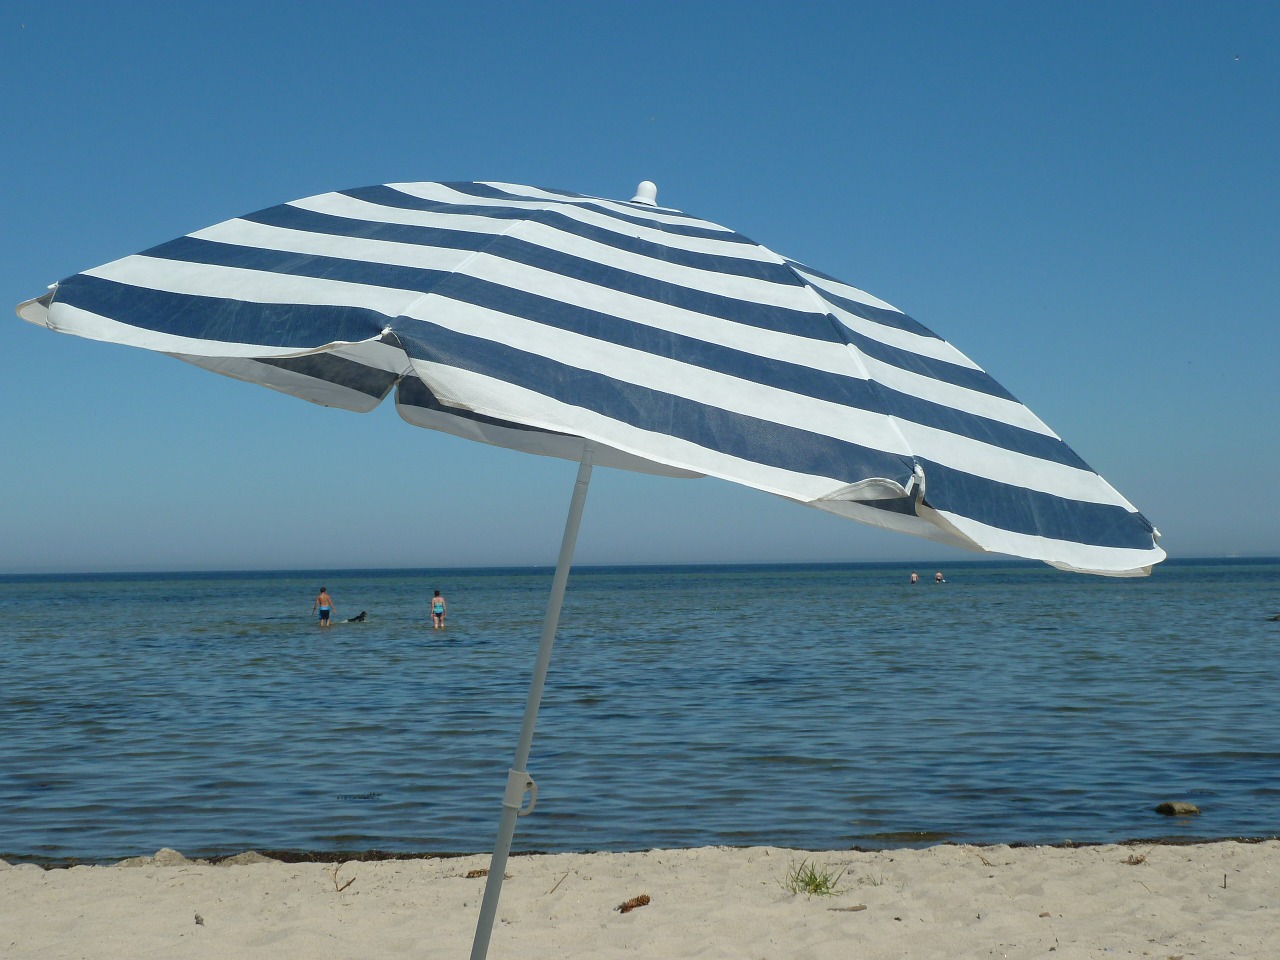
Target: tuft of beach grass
{"x": 811, "y": 880}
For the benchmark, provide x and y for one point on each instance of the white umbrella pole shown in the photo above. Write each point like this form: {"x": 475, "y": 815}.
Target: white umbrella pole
{"x": 518, "y": 781}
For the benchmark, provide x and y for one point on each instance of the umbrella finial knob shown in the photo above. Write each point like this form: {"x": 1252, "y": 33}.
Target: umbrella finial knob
{"x": 646, "y": 193}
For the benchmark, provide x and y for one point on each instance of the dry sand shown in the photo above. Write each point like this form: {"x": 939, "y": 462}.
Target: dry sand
{"x": 1212, "y": 901}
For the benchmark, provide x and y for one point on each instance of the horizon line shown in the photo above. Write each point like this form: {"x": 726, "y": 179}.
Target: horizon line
{"x": 482, "y": 568}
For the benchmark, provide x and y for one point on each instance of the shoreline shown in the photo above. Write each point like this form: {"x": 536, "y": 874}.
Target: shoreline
{"x": 378, "y": 856}
{"x": 1207, "y": 899}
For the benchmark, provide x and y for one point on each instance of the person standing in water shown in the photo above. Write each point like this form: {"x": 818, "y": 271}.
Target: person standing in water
{"x": 324, "y": 603}
{"x": 437, "y": 612}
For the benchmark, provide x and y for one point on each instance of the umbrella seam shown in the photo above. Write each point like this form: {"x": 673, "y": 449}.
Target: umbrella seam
{"x": 872, "y": 383}
{"x": 452, "y": 273}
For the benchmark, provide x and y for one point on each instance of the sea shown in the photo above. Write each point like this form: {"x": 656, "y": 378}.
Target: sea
{"x": 817, "y": 707}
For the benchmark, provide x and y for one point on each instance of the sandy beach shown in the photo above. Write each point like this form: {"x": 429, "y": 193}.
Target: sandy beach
{"x": 1211, "y": 900}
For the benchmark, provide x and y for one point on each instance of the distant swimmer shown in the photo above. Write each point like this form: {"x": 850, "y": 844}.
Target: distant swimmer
{"x": 358, "y": 618}
{"x": 937, "y": 577}
{"x": 915, "y": 577}
{"x": 324, "y": 603}
{"x": 437, "y": 612}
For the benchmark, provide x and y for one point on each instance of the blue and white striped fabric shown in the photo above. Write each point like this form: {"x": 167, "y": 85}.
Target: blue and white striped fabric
{"x": 537, "y": 319}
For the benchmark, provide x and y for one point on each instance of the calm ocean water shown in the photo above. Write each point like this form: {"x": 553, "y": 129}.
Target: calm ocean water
{"x": 808, "y": 706}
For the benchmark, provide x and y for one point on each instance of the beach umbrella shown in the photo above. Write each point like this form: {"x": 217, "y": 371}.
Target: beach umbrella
{"x": 612, "y": 333}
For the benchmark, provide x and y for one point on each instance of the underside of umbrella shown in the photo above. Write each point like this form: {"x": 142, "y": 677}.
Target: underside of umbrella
{"x": 541, "y": 320}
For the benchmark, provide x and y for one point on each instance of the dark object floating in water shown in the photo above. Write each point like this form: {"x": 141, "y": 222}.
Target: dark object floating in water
{"x": 1176, "y": 808}
{"x": 1274, "y": 616}
{"x": 358, "y": 618}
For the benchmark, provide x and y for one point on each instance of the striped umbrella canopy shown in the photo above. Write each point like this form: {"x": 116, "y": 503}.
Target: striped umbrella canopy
{"x": 622, "y": 334}
{"x": 537, "y": 319}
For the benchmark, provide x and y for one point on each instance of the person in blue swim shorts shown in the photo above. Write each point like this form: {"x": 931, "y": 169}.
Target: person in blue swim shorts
{"x": 324, "y": 603}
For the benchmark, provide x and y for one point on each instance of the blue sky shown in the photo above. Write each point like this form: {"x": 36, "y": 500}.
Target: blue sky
{"x": 1083, "y": 197}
